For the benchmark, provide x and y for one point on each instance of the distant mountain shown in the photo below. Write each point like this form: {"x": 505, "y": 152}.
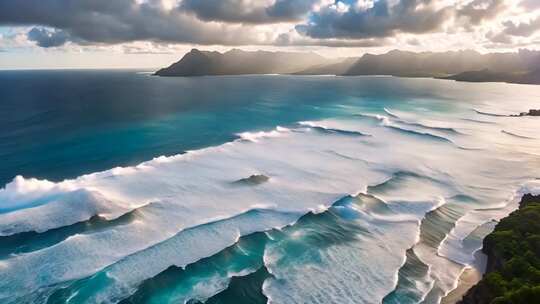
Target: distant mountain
{"x": 400, "y": 63}
{"x": 429, "y": 64}
{"x": 521, "y": 67}
{"x": 238, "y": 62}
{"x": 487, "y": 75}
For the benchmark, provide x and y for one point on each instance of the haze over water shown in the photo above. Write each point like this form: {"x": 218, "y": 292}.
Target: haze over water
{"x": 290, "y": 189}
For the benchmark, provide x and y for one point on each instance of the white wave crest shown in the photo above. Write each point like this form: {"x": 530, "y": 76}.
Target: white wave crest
{"x": 256, "y": 136}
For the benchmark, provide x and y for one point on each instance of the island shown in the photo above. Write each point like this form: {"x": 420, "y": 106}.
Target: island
{"x": 513, "y": 259}
{"x": 466, "y": 65}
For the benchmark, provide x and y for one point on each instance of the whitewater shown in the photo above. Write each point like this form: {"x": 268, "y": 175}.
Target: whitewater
{"x": 362, "y": 206}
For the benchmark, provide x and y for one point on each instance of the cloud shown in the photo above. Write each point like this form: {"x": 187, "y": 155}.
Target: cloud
{"x": 478, "y": 11}
{"x": 530, "y": 4}
{"x": 48, "y": 38}
{"x": 109, "y": 22}
{"x": 523, "y": 29}
{"x": 512, "y": 29}
{"x": 499, "y": 38}
{"x": 15, "y": 39}
{"x": 291, "y": 9}
{"x": 254, "y": 12}
{"x": 292, "y": 39}
{"x": 339, "y": 23}
{"x": 383, "y": 18}
{"x": 414, "y": 42}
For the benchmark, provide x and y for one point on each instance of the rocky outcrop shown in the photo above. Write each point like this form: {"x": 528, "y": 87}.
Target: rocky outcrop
{"x": 253, "y": 180}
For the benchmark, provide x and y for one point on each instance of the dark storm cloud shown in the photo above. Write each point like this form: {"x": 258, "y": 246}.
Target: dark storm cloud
{"x": 480, "y": 10}
{"x": 106, "y": 21}
{"x": 381, "y": 20}
{"x": 255, "y": 12}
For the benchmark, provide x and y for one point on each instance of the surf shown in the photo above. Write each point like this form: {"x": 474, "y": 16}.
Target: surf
{"x": 376, "y": 201}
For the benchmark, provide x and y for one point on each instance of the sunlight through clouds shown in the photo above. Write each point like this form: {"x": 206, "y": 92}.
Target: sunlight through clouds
{"x": 342, "y": 27}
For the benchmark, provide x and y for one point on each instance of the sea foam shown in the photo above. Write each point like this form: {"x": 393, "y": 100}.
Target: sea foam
{"x": 409, "y": 173}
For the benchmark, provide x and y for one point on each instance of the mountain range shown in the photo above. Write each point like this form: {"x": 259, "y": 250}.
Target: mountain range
{"x": 467, "y": 65}
{"x": 238, "y": 62}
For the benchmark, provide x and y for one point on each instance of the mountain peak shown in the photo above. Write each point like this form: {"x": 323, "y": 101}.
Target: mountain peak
{"x": 194, "y": 51}
{"x": 238, "y": 62}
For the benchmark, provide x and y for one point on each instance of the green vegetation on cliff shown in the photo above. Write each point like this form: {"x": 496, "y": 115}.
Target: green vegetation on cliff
{"x": 513, "y": 250}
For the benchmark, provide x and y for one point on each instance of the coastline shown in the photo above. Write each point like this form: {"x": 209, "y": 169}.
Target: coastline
{"x": 338, "y": 75}
{"x": 469, "y": 278}
{"x": 513, "y": 231}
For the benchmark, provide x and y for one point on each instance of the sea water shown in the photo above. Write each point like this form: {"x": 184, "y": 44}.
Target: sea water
{"x": 123, "y": 187}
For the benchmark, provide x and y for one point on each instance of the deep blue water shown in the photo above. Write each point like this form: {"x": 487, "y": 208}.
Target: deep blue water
{"x": 63, "y": 123}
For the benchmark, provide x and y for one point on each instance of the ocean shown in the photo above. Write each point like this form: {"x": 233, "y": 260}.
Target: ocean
{"x": 122, "y": 187}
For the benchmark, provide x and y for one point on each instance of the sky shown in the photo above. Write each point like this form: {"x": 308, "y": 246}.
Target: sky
{"x": 154, "y": 33}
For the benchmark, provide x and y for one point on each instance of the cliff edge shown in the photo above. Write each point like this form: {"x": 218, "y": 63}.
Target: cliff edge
{"x": 513, "y": 265}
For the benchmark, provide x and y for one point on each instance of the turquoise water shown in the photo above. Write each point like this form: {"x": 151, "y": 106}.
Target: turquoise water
{"x": 61, "y": 124}
{"x": 124, "y": 187}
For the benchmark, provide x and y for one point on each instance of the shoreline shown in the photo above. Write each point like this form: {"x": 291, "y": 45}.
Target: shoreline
{"x": 499, "y": 262}
{"x": 347, "y": 75}
{"x": 468, "y": 278}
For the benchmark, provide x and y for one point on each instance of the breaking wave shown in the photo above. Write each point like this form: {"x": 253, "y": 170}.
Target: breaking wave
{"x": 291, "y": 212}
{"x": 256, "y": 136}
{"x": 387, "y": 122}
